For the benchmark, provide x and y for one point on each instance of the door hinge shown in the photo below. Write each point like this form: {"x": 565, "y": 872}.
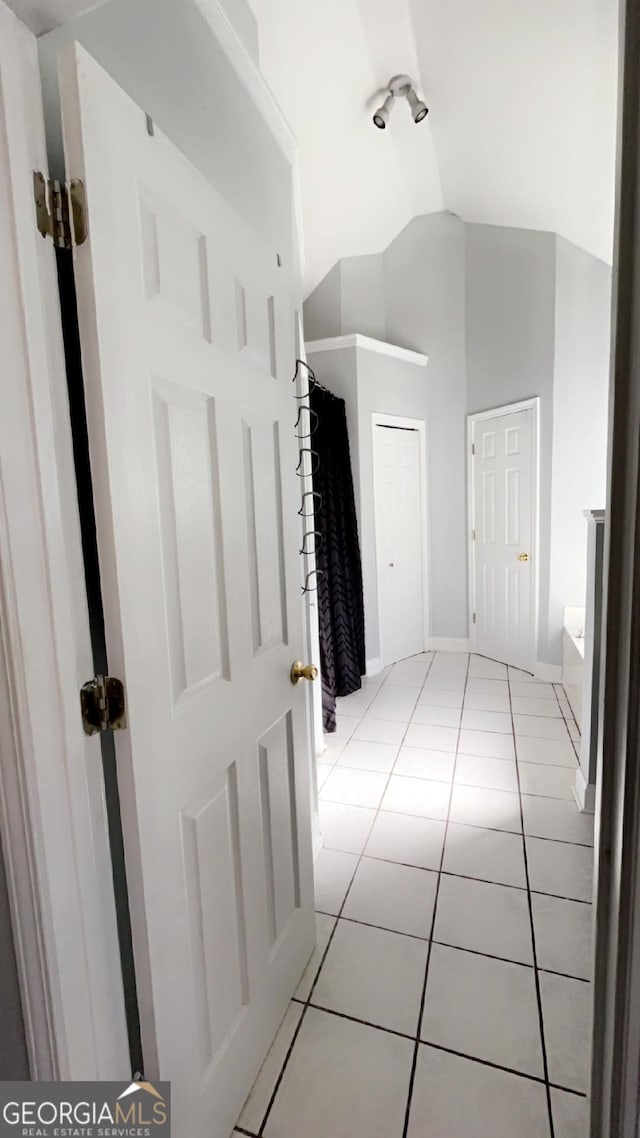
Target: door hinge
{"x": 60, "y": 210}
{"x": 102, "y": 703}
{"x": 473, "y": 535}
{"x": 473, "y": 448}
{"x": 474, "y": 618}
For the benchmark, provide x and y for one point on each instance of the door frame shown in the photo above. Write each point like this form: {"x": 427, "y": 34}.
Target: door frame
{"x": 402, "y": 421}
{"x": 52, "y": 811}
{"x": 532, "y": 405}
{"x": 615, "y": 1090}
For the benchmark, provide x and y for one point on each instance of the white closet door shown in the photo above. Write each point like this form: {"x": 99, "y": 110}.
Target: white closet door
{"x": 187, "y": 330}
{"x": 399, "y": 541}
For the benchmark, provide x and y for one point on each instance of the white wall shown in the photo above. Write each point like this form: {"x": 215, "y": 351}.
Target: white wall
{"x": 503, "y": 314}
{"x": 510, "y": 349}
{"x": 580, "y": 414}
{"x": 364, "y": 297}
{"x": 351, "y": 298}
{"x": 425, "y": 294}
{"x": 423, "y": 286}
{"x": 164, "y": 55}
{"x": 323, "y": 308}
{"x": 369, "y": 382}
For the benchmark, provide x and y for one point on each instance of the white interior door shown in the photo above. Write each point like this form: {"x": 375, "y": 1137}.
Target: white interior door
{"x": 187, "y": 331}
{"x": 399, "y": 540}
{"x": 503, "y": 487}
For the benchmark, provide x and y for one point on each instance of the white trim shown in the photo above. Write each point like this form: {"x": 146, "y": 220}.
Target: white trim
{"x": 532, "y": 405}
{"x": 298, "y": 230}
{"x": 59, "y": 862}
{"x": 374, "y": 666}
{"x": 584, "y": 793}
{"x": 449, "y": 644}
{"x": 21, "y": 865}
{"x": 355, "y": 340}
{"x": 250, "y": 75}
{"x": 419, "y": 425}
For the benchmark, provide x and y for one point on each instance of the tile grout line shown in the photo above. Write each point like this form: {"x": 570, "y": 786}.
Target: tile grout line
{"x": 545, "y": 1061}
{"x": 440, "y": 872}
{"x": 446, "y": 944}
{"x": 441, "y": 1047}
{"x": 416, "y": 1050}
{"x": 307, "y": 1002}
{"x": 464, "y": 876}
{"x": 569, "y": 717}
{"x": 444, "y": 781}
{"x": 474, "y": 825}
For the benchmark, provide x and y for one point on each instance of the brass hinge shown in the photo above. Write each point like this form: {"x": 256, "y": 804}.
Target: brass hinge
{"x": 102, "y": 703}
{"x": 60, "y": 210}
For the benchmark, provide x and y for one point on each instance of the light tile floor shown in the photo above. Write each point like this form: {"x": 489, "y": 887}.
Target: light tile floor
{"x": 449, "y": 993}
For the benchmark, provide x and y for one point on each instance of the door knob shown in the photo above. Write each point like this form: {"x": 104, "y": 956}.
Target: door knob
{"x": 523, "y": 557}
{"x": 300, "y": 671}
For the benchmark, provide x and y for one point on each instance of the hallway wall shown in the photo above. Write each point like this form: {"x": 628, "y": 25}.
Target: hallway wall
{"x": 425, "y": 294}
{"x": 413, "y": 295}
{"x": 510, "y": 348}
{"x": 503, "y": 314}
{"x": 580, "y": 415}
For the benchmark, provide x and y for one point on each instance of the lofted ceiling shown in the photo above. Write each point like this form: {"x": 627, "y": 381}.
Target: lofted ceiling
{"x": 521, "y": 130}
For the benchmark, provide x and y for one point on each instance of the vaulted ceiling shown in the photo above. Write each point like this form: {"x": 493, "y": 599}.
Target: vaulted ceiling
{"x": 522, "y": 123}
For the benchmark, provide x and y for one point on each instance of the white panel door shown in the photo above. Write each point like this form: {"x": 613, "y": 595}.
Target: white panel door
{"x": 187, "y": 330}
{"x": 503, "y": 480}
{"x": 399, "y": 541}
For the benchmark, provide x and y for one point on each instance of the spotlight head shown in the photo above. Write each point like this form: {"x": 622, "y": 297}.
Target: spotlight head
{"x": 419, "y": 110}
{"x": 381, "y": 116}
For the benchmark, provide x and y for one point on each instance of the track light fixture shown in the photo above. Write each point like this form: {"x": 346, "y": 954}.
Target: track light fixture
{"x": 381, "y": 117}
{"x": 400, "y": 86}
{"x": 419, "y": 110}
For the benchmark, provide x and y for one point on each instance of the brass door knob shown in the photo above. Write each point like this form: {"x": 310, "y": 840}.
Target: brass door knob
{"x": 523, "y": 557}
{"x": 300, "y": 671}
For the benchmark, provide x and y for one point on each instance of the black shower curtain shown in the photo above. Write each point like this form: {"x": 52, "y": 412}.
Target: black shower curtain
{"x": 340, "y": 600}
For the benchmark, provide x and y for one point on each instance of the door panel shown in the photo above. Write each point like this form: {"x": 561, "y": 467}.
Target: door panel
{"x": 503, "y": 480}
{"x": 187, "y": 330}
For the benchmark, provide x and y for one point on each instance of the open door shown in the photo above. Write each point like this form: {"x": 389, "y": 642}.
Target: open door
{"x": 187, "y": 335}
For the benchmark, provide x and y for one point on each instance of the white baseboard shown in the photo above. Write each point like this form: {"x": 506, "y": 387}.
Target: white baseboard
{"x": 374, "y": 666}
{"x": 551, "y": 673}
{"x": 448, "y": 644}
{"x": 584, "y": 794}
